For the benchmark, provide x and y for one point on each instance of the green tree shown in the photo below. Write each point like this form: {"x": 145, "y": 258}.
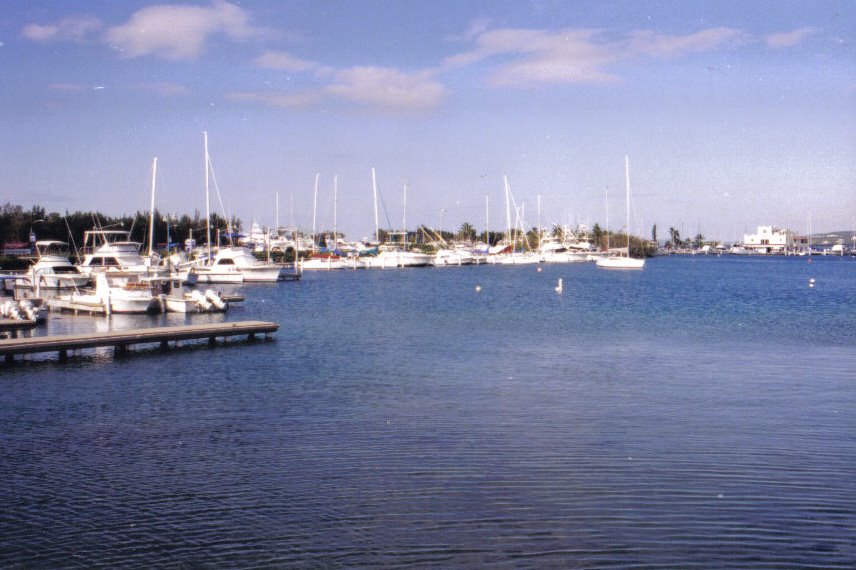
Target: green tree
{"x": 467, "y": 232}
{"x": 654, "y": 233}
{"x": 674, "y": 237}
{"x": 597, "y": 235}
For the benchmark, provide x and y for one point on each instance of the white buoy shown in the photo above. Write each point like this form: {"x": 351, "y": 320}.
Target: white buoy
{"x": 558, "y": 288}
{"x": 538, "y": 270}
{"x": 811, "y": 280}
{"x": 478, "y": 288}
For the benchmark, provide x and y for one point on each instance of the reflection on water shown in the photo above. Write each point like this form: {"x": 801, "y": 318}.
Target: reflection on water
{"x": 696, "y": 414}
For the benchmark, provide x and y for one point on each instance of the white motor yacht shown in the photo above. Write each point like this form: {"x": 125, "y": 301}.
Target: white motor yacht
{"x": 117, "y": 292}
{"x": 113, "y": 250}
{"x": 238, "y": 265}
{"x": 53, "y": 270}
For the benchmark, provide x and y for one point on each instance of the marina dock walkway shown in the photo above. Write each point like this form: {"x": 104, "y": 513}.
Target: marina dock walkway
{"x": 121, "y": 340}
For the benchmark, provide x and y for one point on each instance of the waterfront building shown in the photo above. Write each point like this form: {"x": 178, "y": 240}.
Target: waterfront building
{"x": 769, "y": 239}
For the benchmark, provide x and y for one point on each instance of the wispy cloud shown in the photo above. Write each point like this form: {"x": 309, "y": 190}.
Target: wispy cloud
{"x": 789, "y": 39}
{"x": 284, "y": 61}
{"x": 388, "y": 88}
{"x": 277, "y": 99}
{"x": 75, "y": 29}
{"x": 377, "y": 88}
{"x": 530, "y": 56}
{"x": 646, "y": 43}
{"x": 179, "y": 32}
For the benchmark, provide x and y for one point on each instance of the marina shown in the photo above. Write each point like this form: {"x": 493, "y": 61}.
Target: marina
{"x": 409, "y": 308}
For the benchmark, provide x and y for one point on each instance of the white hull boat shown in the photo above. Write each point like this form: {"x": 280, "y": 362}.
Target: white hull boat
{"x": 116, "y": 294}
{"x": 53, "y": 270}
{"x": 238, "y": 265}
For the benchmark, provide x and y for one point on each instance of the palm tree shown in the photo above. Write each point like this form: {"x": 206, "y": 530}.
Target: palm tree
{"x": 467, "y": 232}
{"x": 674, "y": 237}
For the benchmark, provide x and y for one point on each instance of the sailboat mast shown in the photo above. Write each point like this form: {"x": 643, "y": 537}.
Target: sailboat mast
{"x": 487, "y": 219}
{"x": 374, "y": 191}
{"x": 606, "y": 194}
{"x": 627, "y": 183}
{"x": 507, "y": 210}
{"x": 314, "y": 209}
{"x": 152, "y": 208}
{"x": 335, "y": 207}
{"x": 404, "y": 216}
{"x": 207, "y": 200}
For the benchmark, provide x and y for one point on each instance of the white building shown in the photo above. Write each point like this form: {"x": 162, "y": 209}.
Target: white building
{"x": 769, "y": 239}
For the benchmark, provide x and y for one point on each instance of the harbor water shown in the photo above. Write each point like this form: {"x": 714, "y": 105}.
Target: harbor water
{"x": 696, "y": 414}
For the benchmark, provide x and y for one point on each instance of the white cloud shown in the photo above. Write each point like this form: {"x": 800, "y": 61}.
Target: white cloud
{"x": 284, "y": 61}
{"x": 179, "y": 32}
{"x": 277, "y": 99}
{"x": 526, "y": 57}
{"x": 387, "y": 88}
{"x": 76, "y": 29}
{"x": 789, "y": 39}
{"x": 645, "y": 43}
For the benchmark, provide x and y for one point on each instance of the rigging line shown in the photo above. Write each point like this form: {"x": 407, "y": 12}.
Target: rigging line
{"x": 385, "y": 213}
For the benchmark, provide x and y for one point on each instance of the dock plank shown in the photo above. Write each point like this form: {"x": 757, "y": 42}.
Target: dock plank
{"x": 122, "y": 339}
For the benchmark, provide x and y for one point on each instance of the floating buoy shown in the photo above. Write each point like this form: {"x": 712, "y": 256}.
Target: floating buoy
{"x": 811, "y": 280}
{"x": 558, "y": 288}
{"x": 478, "y": 288}
{"x": 538, "y": 270}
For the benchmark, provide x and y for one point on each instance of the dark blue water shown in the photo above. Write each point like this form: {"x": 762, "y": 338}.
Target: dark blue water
{"x": 699, "y": 413}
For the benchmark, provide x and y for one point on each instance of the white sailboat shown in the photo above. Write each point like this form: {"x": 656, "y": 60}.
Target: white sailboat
{"x": 394, "y": 254}
{"x": 231, "y": 264}
{"x": 623, "y": 261}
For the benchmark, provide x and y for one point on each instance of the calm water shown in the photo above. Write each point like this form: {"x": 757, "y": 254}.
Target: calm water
{"x": 697, "y": 414}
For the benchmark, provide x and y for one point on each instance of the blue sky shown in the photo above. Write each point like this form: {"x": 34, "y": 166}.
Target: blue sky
{"x": 733, "y": 114}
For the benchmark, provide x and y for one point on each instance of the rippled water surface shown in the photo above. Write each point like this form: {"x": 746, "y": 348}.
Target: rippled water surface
{"x": 699, "y": 413}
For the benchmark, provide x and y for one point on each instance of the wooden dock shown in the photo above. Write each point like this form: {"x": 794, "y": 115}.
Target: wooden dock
{"x": 10, "y": 327}
{"x": 122, "y": 340}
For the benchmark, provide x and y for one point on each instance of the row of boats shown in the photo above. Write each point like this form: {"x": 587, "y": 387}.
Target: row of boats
{"x": 112, "y": 276}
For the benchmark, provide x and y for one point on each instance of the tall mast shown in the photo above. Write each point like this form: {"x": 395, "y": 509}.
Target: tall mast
{"x": 152, "y": 208}
{"x": 207, "y": 200}
{"x": 314, "y": 210}
{"x": 539, "y": 221}
{"x": 487, "y": 219}
{"x": 606, "y": 199}
{"x": 374, "y": 191}
{"x": 627, "y": 181}
{"x": 507, "y": 210}
{"x": 276, "y": 223}
{"x": 404, "y": 218}
{"x": 335, "y": 206}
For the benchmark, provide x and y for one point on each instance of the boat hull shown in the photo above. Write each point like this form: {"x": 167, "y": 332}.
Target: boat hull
{"x": 620, "y": 263}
